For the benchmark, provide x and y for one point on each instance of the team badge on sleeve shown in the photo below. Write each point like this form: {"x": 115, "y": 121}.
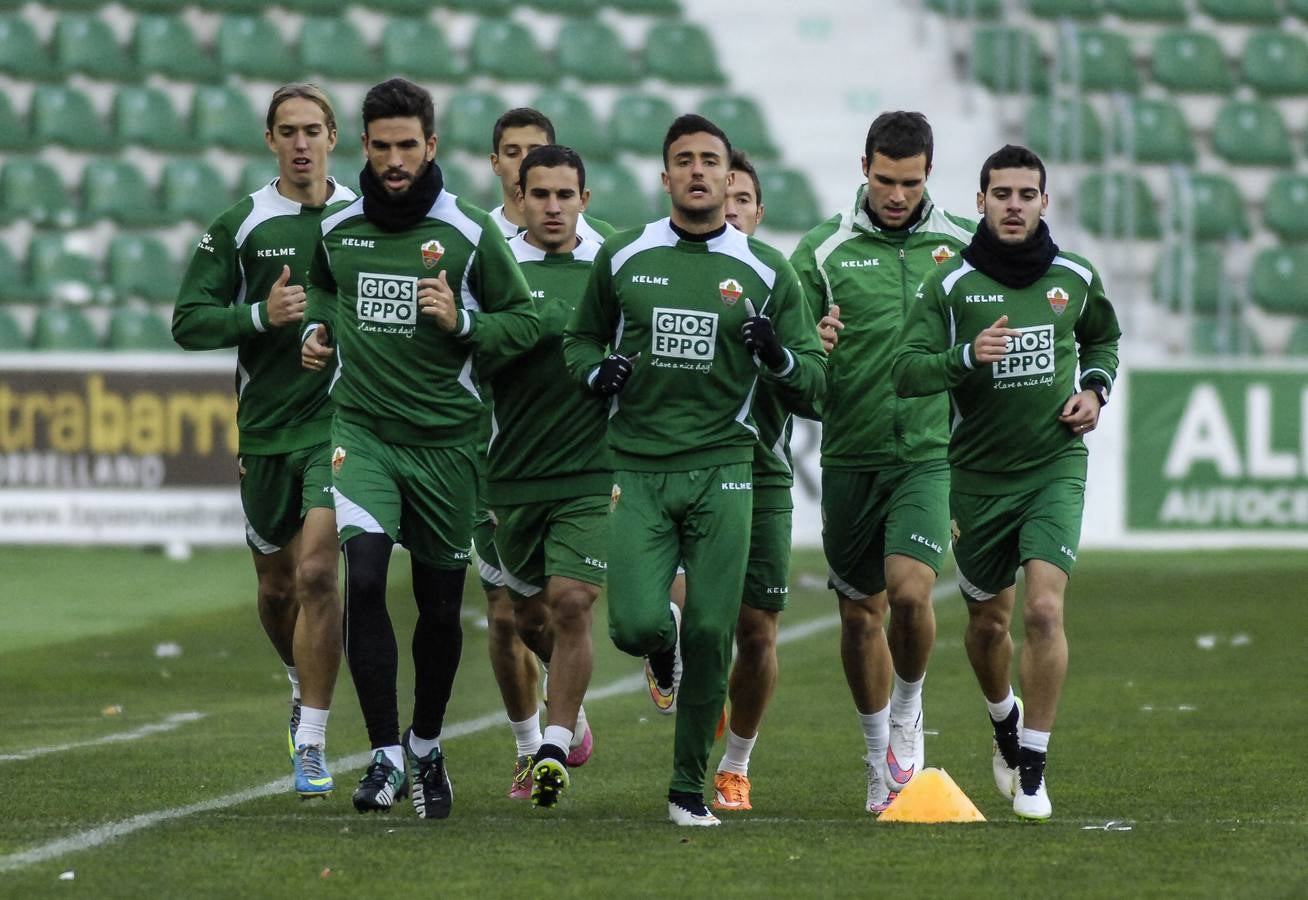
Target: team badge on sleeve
{"x": 731, "y": 291}
{"x": 942, "y": 254}
{"x": 1057, "y": 300}
{"x": 338, "y": 459}
{"x": 432, "y": 251}
{"x": 615, "y": 497}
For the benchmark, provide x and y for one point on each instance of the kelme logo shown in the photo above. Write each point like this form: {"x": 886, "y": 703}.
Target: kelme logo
{"x": 432, "y": 251}
{"x": 730, "y": 291}
{"x": 1057, "y": 300}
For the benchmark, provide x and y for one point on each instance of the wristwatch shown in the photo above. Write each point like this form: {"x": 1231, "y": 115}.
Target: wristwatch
{"x": 1101, "y": 392}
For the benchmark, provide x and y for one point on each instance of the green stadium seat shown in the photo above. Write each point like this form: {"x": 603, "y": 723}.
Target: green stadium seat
{"x": 193, "y": 189}
{"x": 313, "y": 7}
{"x": 575, "y": 124}
{"x": 1117, "y": 205}
{"x": 648, "y": 7}
{"x": 1297, "y": 7}
{"x": 616, "y": 196}
{"x": 13, "y": 279}
{"x": 22, "y": 55}
{"x": 11, "y": 333}
{"x": 32, "y": 191}
{"x": 1008, "y": 60}
{"x": 418, "y": 49}
{"x": 742, "y": 120}
{"x": 568, "y": 7}
{"x": 1285, "y": 208}
{"x": 681, "y": 53}
{"x": 470, "y": 119}
{"x": 222, "y": 116}
{"x": 60, "y": 274}
{"x": 1195, "y": 271}
{"x": 255, "y": 175}
{"x": 116, "y": 190}
{"x": 1252, "y": 133}
{"x": 1251, "y": 11}
{"x": 422, "y": 7}
{"x": 505, "y": 49}
{"x": 489, "y": 8}
{"x": 86, "y": 44}
{"x": 251, "y": 47}
{"x": 150, "y": 6}
{"x": 1191, "y": 62}
{"x": 1064, "y": 130}
{"x": 1087, "y": 10}
{"x": 1276, "y": 63}
{"x": 968, "y": 9}
{"x": 1207, "y": 207}
{"x": 250, "y": 7}
{"x": 1096, "y": 59}
{"x": 788, "y": 199}
{"x": 332, "y": 47}
{"x": 639, "y": 122}
{"x": 591, "y": 51}
{"x": 166, "y": 46}
{"x": 14, "y": 131}
{"x": 1153, "y": 131}
{"x": 1150, "y": 10}
{"x": 137, "y": 329}
{"x": 1298, "y": 345}
{"x": 64, "y": 115}
{"x": 1278, "y": 280}
{"x": 63, "y": 328}
{"x": 139, "y": 265}
{"x": 1223, "y": 336}
{"x": 145, "y": 116}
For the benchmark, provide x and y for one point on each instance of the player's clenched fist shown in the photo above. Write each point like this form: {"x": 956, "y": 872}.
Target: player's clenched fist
{"x": 315, "y": 349}
{"x": 761, "y": 339}
{"x": 829, "y": 328}
{"x": 612, "y": 373}
{"x": 436, "y": 299}
{"x": 285, "y": 301}
{"x": 989, "y": 344}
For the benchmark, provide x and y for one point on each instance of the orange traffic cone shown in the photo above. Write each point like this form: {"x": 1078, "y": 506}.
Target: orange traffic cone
{"x": 931, "y": 797}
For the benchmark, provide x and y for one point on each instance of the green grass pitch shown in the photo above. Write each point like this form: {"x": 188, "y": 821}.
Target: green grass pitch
{"x": 1177, "y": 765}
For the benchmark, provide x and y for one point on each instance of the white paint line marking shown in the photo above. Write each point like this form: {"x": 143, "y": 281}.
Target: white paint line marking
{"x": 171, "y": 723}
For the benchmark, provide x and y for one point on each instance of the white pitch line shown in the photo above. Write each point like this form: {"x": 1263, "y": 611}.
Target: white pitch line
{"x": 103, "y": 834}
{"x": 171, "y": 723}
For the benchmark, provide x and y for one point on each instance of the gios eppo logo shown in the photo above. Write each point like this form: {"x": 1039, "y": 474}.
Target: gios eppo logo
{"x": 1031, "y": 352}
{"x": 388, "y": 299}
{"x": 685, "y": 334}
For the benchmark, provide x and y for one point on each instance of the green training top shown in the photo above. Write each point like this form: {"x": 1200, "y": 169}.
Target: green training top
{"x": 680, "y": 305}
{"x": 1006, "y": 433}
{"x": 871, "y": 274}
{"x": 223, "y": 302}
{"x": 588, "y": 227}
{"x": 397, "y": 373}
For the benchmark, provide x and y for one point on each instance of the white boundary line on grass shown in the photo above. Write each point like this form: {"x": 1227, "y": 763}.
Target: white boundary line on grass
{"x": 103, "y": 834}
{"x": 171, "y": 723}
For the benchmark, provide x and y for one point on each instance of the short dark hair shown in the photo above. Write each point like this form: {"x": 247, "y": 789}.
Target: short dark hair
{"x": 521, "y": 117}
{"x": 549, "y": 156}
{"x": 692, "y": 124}
{"x": 1011, "y": 156}
{"x": 740, "y": 163}
{"x": 900, "y": 135}
{"x": 399, "y": 98}
{"x": 305, "y": 91}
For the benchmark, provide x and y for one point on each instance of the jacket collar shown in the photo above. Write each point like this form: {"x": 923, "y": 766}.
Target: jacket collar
{"x": 863, "y": 222}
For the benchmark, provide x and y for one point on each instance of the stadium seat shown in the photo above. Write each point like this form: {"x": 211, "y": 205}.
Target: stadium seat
{"x": 32, "y": 191}
{"x": 166, "y": 46}
{"x": 64, "y": 115}
{"x": 11, "y": 333}
{"x": 139, "y": 265}
{"x": 1066, "y": 9}
{"x": 256, "y": 174}
{"x": 742, "y": 120}
{"x": 639, "y": 121}
{"x": 1117, "y": 205}
{"x": 1276, "y": 63}
{"x": 574, "y": 123}
{"x": 251, "y": 7}
{"x": 1153, "y": 131}
{"x": 649, "y": 7}
{"x": 1278, "y": 280}
{"x": 1008, "y": 60}
{"x": 131, "y": 328}
{"x": 1064, "y": 130}
{"x": 86, "y": 44}
{"x": 469, "y": 119}
{"x": 193, "y": 189}
{"x": 418, "y": 49}
{"x": 1207, "y": 207}
{"x": 13, "y": 279}
{"x": 313, "y": 7}
{"x": 1297, "y": 7}
{"x": 1223, "y": 336}
{"x": 1192, "y": 270}
{"x": 150, "y": 6}
{"x": 788, "y": 199}
{"x": 490, "y": 8}
{"x": 14, "y": 131}
{"x": 116, "y": 190}
{"x": 22, "y": 55}
{"x": 1251, "y": 11}
{"x": 1150, "y": 10}
{"x": 505, "y": 49}
{"x": 1298, "y": 345}
{"x": 222, "y": 116}
{"x": 591, "y": 51}
{"x": 1252, "y": 133}
{"x": 251, "y": 47}
{"x": 967, "y": 9}
{"x": 331, "y": 46}
{"x": 1096, "y": 59}
{"x": 1191, "y": 62}
{"x": 145, "y": 116}
{"x": 60, "y": 274}
{"x": 568, "y": 7}
{"x": 616, "y": 196}
{"x": 63, "y": 328}
{"x": 1285, "y": 209}
{"x": 681, "y": 53}
{"x": 422, "y": 7}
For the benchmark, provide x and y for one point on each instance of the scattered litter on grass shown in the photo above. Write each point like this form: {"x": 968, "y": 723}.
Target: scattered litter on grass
{"x": 1110, "y": 825}
{"x": 1185, "y": 707}
{"x": 345, "y": 829}
{"x": 114, "y": 709}
{"x": 643, "y": 719}
{"x": 1206, "y": 641}
{"x": 930, "y": 732}
{"x": 167, "y": 650}
{"x": 685, "y": 840}
{"x": 1241, "y": 640}
{"x": 1209, "y": 641}
{"x": 326, "y": 873}
{"x": 390, "y": 830}
{"x": 67, "y": 876}
{"x": 1146, "y": 708}
{"x": 165, "y": 674}
{"x": 792, "y": 858}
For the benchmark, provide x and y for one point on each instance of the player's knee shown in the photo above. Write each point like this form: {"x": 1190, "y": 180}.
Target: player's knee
{"x": 501, "y": 622}
{"x": 276, "y": 592}
{"x": 1043, "y": 615}
{"x": 755, "y": 641}
{"x": 910, "y": 594}
{"x": 316, "y": 579}
{"x": 986, "y": 629}
{"x": 858, "y": 619}
{"x": 638, "y": 632}
{"x": 571, "y": 610}
{"x": 530, "y": 618}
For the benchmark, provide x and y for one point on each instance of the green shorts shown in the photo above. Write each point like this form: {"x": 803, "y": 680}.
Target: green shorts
{"x": 993, "y": 535}
{"x": 537, "y": 541}
{"x": 278, "y": 491}
{"x": 421, "y": 497}
{"x": 767, "y": 575}
{"x": 869, "y": 514}
{"x": 484, "y": 528}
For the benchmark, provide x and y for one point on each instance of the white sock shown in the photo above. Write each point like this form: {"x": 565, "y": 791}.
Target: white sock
{"x": 906, "y": 699}
{"x": 394, "y": 755}
{"x": 999, "y": 711}
{"x": 736, "y": 759}
{"x": 1035, "y": 740}
{"x": 422, "y": 746}
{"x": 579, "y": 733}
{"x": 293, "y": 676}
{"x": 527, "y": 734}
{"x": 876, "y": 732}
{"x": 558, "y": 736}
{"x": 313, "y": 727}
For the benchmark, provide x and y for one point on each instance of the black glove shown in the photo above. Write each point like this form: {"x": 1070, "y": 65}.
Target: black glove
{"x": 612, "y": 374}
{"x": 762, "y": 341}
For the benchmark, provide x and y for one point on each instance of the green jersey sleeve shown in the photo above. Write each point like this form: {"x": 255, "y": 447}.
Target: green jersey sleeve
{"x": 929, "y": 360}
{"x": 207, "y": 315}
{"x": 498, "y": 315}
{"x": 320, "y": 292}
{"x": 805, "y": 377}
{"x": 1097, "y": 334}
{"x": 591, "y": 328}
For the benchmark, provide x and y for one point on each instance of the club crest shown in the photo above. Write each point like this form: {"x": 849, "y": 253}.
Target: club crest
{"x": 432, "y": 251}
{"x": 942, "y": 254}
{"x": 1057, "y": 300}
{"x": 730, "y": 291}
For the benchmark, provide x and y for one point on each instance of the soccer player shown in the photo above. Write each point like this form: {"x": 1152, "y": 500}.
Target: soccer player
{"x": 885, "y": 479}
{"x": 244, "y": 288}
{"x": 1004, "y": 329}
{"x": 404, "y": 464}
{"x": 680, "y": 321}
{"x": 549, "y": 472}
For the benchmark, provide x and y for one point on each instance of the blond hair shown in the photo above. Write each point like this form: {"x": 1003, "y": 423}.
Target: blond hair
{"x": 305, "y": 90}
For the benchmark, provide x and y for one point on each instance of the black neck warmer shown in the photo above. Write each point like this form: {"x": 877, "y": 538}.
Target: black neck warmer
{"x": 1012, "y": 265}
{"x": 707, "y": 236}
{"x": 399, "y": 212}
